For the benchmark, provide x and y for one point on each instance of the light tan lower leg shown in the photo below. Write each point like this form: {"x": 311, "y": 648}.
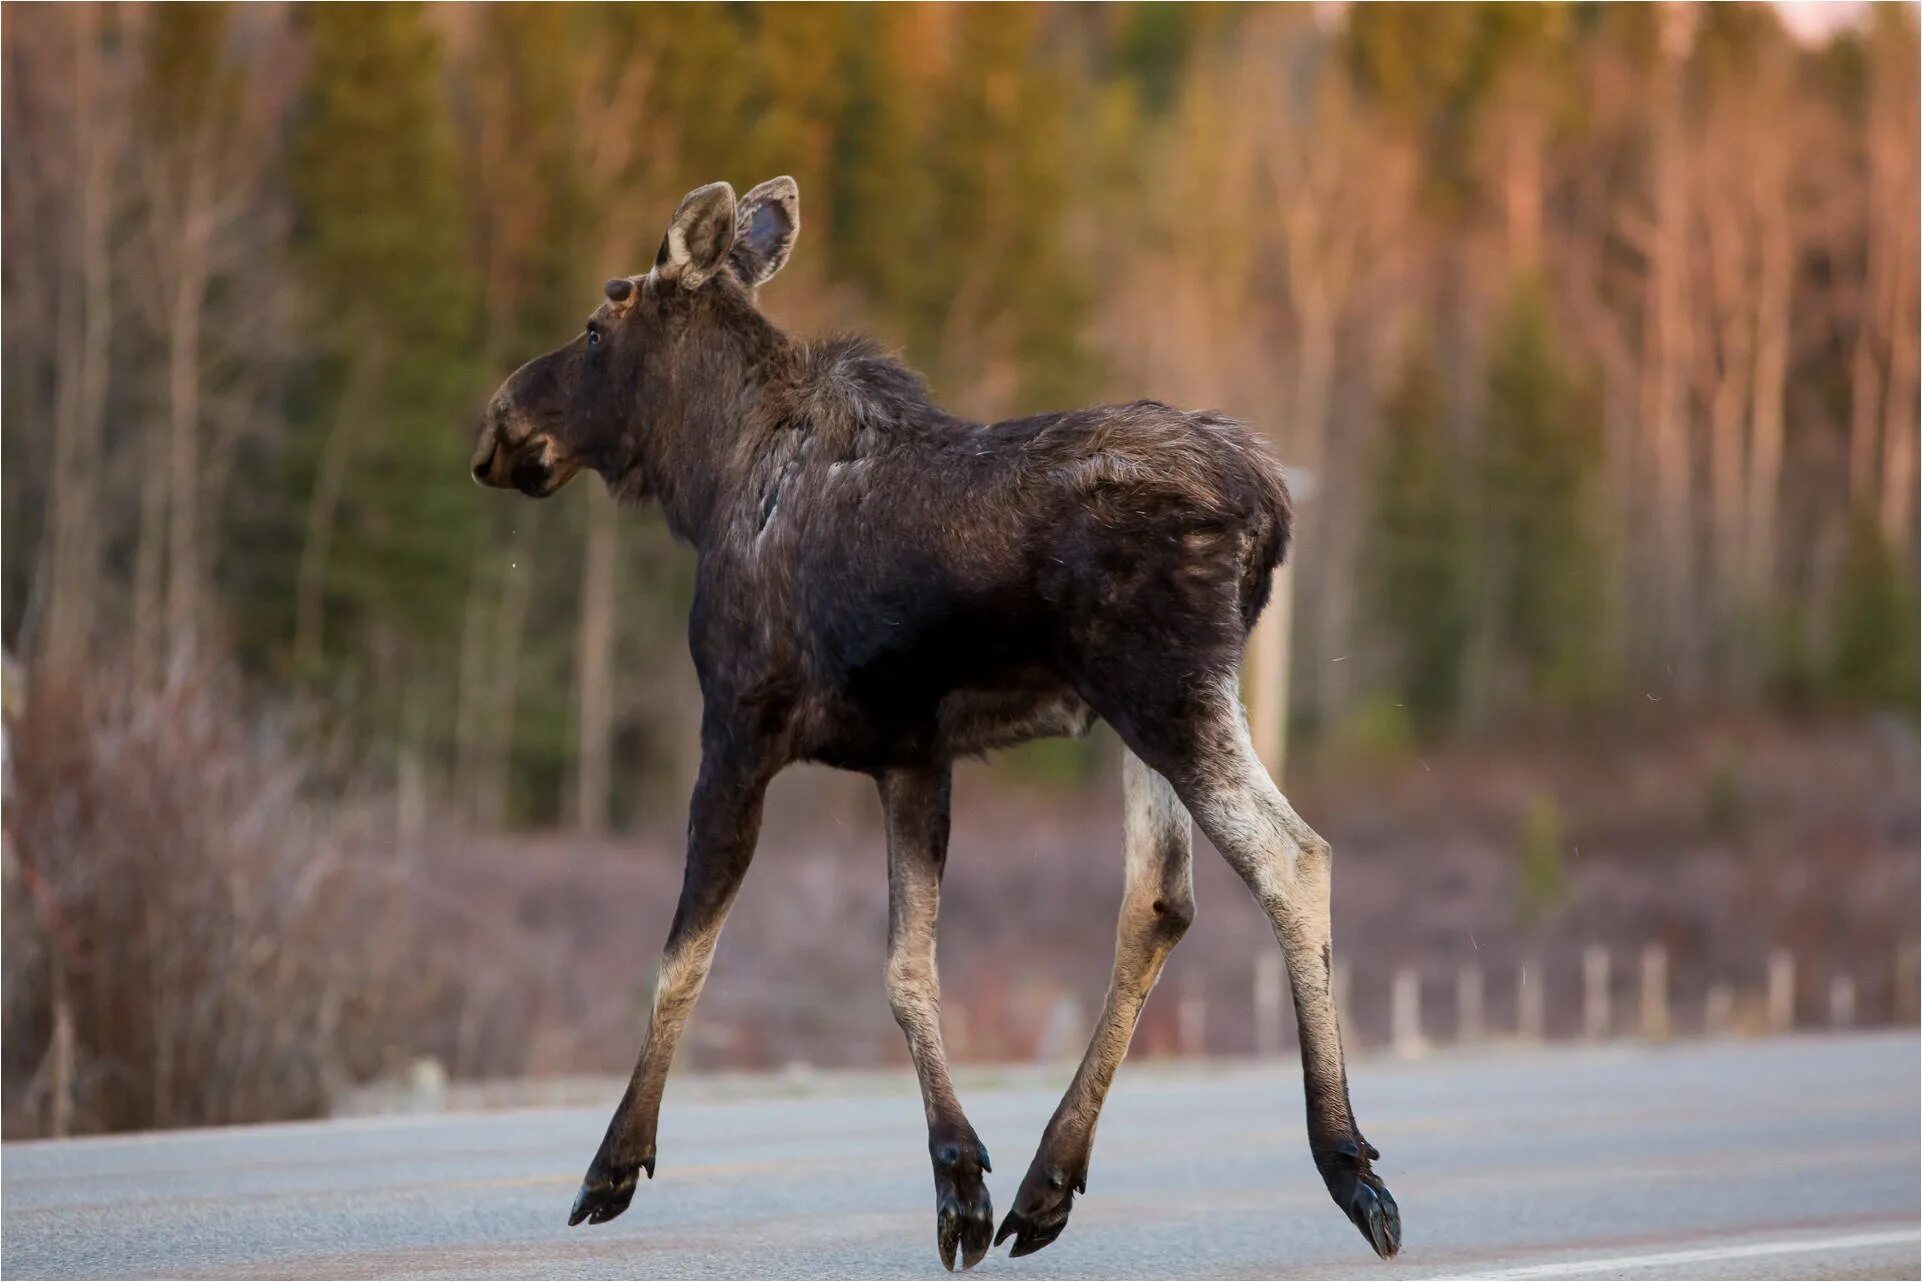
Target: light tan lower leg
{"x": 1287, "y": 866}
{"x": 915, "y": 805}
{"x": 1156, "y": 908}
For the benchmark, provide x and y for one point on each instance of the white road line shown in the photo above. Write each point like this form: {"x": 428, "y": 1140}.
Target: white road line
{"x": 1744, "y": 1251}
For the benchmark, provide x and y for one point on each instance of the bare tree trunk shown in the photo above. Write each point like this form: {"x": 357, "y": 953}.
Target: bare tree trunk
{"x": 610, "y": 144}
{"x": 1900, "y": 187}
{"x": 1605, "y": 335}
{"x": 1310, "y": 297}
{"x": 1865, "y": 375}
{"x": 183, "y": 411}
{"x": 1522, "y": 191}
{"x": 593, "y": 778}
{"x": 74, "y": 568}
{"x": 510, "y": 626}
{"x": 1882, "y": 383}
{"x": 61, "y": 1057}
{"x": 1726, "y": 364}
{"x": 1899, "y": 426}
{"x": 149, "y": 562}
{"x": 410, "y": 781}
{"x": 323, "y": 505}
{"x": 1776, "y": 280}
{"x": 471, "y": 698}
{"x": 1665, "y": 361}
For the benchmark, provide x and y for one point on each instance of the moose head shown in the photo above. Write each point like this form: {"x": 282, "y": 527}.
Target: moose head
{"x": 648, "y": 353}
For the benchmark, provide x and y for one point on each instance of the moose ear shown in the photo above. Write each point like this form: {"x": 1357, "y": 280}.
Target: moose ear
{"x": 765, "y": 228}
{"x": 698, "y": 236}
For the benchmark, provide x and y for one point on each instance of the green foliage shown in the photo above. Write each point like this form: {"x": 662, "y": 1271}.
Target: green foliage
{"x": 538, "y": 224}
{"x": 1053, "y": 763}
{"x": 1541, "y": 887}
{"x": 1445, "y": 73}
{"x": 992, "y": 258}
{"x": 389, "y": 320}
{"x": 1794, "y": 668}
{"x": 1725, "y": 801}
{"x": 872, "y": 240}
{"x": 1874, "y": 658}
{"x": 1156, "y": 40}
{"x": 1538, "y": 549}
{"x": 1420, "y": 581}
{"x": 189, "y": 81}
{"x": 1378, "y": 730}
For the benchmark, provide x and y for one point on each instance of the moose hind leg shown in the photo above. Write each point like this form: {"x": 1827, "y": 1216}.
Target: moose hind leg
{"x": 915, "y": 804}
{"x": 1156, "y": 908}
{"x": 1287, "y": 866}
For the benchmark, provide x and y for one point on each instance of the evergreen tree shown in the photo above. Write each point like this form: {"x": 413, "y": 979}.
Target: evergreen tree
{"x": 878, "y": 209}
{"x": 381, "y": 423}
{"x": 1876, "y": 651}
{"x": 992, "y": 261}
{"x": 1537, "y": 546}
{"x": 1420, "y": 564}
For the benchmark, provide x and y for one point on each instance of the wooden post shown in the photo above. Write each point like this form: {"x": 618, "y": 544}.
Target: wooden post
{"x": 1781, "y": 991}
{"x": 1267, "y": 666}
{"x": 1064, "y": 1034}
{"x": 1404, "y": 1013}
{"x": 1595, "y": 1015}
{"x": 1268, "y": 983}
{"x": 1718, "y": 1009}
{"x": 1468, "y": 1003}
{"x": 1268, "y": 657}
{"x": 1531, "y": 1006}
{"x": 427, "y": 1086}
{"x": 61, "y": 1074}
{"x": 1841, "y": 1001}
{"x": 1906, "y": 1000}
{"x": 1654, "y": 991}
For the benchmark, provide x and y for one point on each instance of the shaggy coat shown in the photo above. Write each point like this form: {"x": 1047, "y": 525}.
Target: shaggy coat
{"x": 882, "y": 586}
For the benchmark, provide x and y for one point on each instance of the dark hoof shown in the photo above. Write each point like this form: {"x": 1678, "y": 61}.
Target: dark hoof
{"x": 1358, "y": 1191}
{"x": 606, "y": 1191}
{"x": 1040, "y": 1209}
{"x": 963, "y": 1211}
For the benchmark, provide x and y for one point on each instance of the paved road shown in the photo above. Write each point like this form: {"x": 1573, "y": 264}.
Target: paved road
{"x": 1759, "y": 1159}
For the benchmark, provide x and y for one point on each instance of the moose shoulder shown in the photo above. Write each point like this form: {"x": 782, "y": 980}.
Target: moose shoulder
{"x": 883, "y": 586}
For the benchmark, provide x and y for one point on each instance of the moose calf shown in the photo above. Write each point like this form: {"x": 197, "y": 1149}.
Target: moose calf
{"x": 884, "y": 587}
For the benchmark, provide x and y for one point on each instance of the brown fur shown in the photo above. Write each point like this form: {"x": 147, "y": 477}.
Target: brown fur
{"x": 883, "y": 586}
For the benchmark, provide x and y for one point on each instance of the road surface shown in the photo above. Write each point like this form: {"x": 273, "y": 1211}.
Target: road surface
{"x": 1794, "y": 1159}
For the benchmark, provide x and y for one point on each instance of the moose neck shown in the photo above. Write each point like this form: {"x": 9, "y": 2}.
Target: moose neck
{"x": 708, "y": 411}
{"x": 716, "y": 411}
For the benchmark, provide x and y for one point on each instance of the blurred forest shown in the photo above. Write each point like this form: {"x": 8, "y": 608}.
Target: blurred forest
{"x": 1595, "y": 327}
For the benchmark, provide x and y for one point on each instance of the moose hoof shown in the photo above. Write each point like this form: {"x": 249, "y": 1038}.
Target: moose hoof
{"x": 1358, "y": 1191}
{"x": 1040, "y": 1209}
{"x": 606, "y": 1191}
{"x": 964, "y": 1213}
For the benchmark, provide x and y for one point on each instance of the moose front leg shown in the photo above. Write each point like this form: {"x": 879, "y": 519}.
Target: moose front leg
{"x": 1156, "y": 908}
{"x": 723, "y": 821}
{"x": 915, "y": 803}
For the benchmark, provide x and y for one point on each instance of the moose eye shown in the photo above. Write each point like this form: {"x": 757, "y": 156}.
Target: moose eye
{"x": 593, "y": 335}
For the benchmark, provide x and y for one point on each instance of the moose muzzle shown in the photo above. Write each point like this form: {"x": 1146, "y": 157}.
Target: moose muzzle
{"x": 531, "y": 464}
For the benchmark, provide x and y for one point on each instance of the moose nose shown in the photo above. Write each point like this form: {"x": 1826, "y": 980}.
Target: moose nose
{"x": 484, "y": 455}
